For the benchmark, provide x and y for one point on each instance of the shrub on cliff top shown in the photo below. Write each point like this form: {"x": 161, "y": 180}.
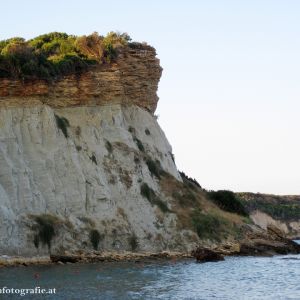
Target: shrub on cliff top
{"x": 228, "y": 201}
{"x": 55, "y": 54}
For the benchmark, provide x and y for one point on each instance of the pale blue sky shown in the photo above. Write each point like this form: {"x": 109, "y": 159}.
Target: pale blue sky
{"x": 229, "y": 94}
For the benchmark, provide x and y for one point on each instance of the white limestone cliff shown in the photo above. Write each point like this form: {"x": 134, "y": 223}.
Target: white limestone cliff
{"x": 89, "y": 179}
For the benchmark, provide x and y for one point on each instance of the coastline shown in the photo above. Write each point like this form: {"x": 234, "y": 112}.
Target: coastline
{"x": 19, "y": 261}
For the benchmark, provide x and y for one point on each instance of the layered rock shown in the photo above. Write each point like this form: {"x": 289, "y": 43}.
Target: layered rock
{"x": 269, "y": 242}
{"x": 206, "y": 255}
{"x": 132, "y": 79}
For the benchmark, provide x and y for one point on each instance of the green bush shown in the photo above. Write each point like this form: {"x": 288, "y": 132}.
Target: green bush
{"x": 63, "y": 124}
{"x": 95, "y": 238}
{"x": 45, "y": 230}
{"x": 208, "y": 226}
{"x": 148, "y": 193}
{"x": 185, "y": 197}
{"x": 154, "y": 167}
{"x": 228, "y": 201}
{"x": 139, "y": 144}
{"x": 133, "y": 242}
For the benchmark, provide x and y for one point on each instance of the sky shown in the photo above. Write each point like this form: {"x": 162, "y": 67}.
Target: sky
{"x": 229, "y": 94}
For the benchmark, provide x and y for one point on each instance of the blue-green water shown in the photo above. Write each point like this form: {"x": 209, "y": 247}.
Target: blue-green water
{"x": 235, "y": 278}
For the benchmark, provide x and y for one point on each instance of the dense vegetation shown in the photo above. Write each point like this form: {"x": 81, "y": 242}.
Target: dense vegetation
{"x": 280, "y": 208}
{"x": 228, "y": 201}
{"x": 281, "y": 211}
{"x": 56, "y": 54}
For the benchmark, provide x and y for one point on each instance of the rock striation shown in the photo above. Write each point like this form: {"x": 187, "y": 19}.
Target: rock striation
{"x": 131, "y": 79}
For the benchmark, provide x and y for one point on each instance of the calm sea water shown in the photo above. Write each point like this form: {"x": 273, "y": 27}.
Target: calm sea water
{"x": 235, "y": 278}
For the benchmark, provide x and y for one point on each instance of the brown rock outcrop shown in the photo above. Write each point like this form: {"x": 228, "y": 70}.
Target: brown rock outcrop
{"x": 132, "y": 79}
{"x": 270, "y": 242}
{"x": 206, "y": 255}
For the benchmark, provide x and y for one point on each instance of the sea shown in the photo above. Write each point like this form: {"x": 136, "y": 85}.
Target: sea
{"x": 273, "y": 278}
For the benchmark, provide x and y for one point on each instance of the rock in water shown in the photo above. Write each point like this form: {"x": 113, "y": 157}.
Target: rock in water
{"x": 267, "y": 243}
{"x": 64, "y": 258}
{"x": 206, "y": 255}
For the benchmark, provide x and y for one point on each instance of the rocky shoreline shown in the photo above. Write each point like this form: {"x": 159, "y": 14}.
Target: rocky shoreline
{"x": 256, "y": 242}
{"x": 93, "y": 257}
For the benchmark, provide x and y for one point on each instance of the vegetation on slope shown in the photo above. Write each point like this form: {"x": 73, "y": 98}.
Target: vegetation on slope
{"x": 95, "y": 238}
{"x": 197, "y": 212}
{"x": 210, "y": 226}
{"x": 56, "y": 54}
{"x": 286, "y": 208}
{"x": 45, "y": 228}
{"x": 149, "y": 193}
{"x": 229, "y": 201}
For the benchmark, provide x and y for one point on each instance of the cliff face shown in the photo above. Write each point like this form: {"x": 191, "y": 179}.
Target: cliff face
{"x": 132, "y": 79}
{"x": 80, "y": 162}
{"x": 90, "y": 180}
